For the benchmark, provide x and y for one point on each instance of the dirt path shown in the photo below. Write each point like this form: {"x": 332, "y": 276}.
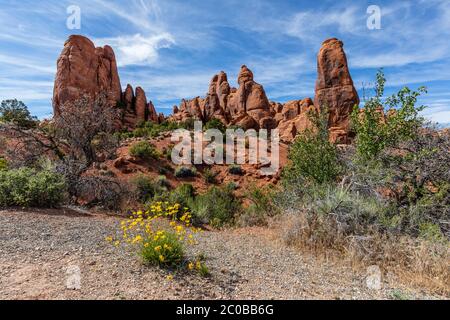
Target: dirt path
{"x": 39, "y": 251}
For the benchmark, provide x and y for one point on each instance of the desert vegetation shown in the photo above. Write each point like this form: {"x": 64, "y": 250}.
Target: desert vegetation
{"x": 384, "y": 199}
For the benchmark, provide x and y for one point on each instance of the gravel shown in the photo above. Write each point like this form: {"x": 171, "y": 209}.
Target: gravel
{"x": 39, "y": 251}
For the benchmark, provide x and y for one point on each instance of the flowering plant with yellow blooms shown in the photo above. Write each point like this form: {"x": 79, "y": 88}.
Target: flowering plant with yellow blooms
{"x": 157, "y": 245}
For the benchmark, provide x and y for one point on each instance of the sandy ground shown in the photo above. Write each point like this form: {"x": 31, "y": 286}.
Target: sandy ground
{"x": 40, "y": 252}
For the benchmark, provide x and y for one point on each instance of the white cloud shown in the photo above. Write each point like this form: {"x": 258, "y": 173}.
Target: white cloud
{"x": 312, "y": 25}
{"x": 137, "y": 49}
{"x": 25, "y": 63}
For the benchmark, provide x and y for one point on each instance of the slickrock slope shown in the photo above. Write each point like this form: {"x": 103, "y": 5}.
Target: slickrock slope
{"x": 83, "y": 69}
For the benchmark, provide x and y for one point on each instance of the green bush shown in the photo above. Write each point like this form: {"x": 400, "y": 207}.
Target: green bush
{"x": 330, "y": 215}
{"x": 260, "y": 208}
{"x": 167, "y": 246}
{"x": 150, "y": 130}
{"x": 374, "y": 132}
{"x": 16, "y": 112}
{"x": 218, "y": 207}
{"x": 210, "y": 176}
{"x": 147, "y": 189}
{"x": 312, "y": 156}
{"x": 215, "y": 124}
{"x": 27, "y": 187}
{"x": 236, "y": 170}
{"x": 184, "y": 195}
{"x": 185, "y": 172}
{"x": 3, "y": 164}
{"x": 144, "y": 150}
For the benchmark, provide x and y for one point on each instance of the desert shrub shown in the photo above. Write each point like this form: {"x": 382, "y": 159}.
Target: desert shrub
{"x": 144, "y": 150}
{"x": 167, "y": 152}
{"x": 209, "y": 176}
{"x": 215, "y": 124}
{"x": 218, "y": 207}
{"x": 414, "y": 177}
{"x": 202, "y": 269}
{"x": 85, "y": 127}
{"x": 27, "y": 187}
{"x": 13, "y": 111}
{"x": 312, "y": 156}
{"x": 261, "y": 207}
{"x": 3, "y": 164}
{"x": 148, "y": 129}
{"x": 147, "y": 188}
{"x": 101, "y": 191}
{"x": 235, "y": 169}
{"x": 164, "y": 249}
{"x": 374, "y": 131}
{"x": 185, "y": 172}
{"x": 183, "y": 194}
{"x": 188, "y": 124}
{"x": 162, "y": 182}
{"x": 158, "y": 244}
{"x": 329, "y": 215}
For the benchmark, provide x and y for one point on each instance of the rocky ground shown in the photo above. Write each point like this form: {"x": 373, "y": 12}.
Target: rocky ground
{"x": 40, "y": 250}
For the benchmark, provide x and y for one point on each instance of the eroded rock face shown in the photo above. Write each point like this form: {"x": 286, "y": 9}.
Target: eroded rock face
{"x": 294, "y": 118}
{"x": 83, "y": 69}
{"x": 334, "y": 89}
{"x": 247, "y": 106}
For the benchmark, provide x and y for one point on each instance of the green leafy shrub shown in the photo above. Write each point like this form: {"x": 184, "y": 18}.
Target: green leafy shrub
{"x": 261, "y": 207}
{"x": 235, "y": 169}
{"x": 185, "y": 172}
{"x": 209, "y": 176}
{"x": 167, "y": 152}
{"x": 215, "y": 124}
{"x": 144, "y": 150}
{"x": 165, "y": 250}
{"x": 147, "y": 189}
{"x": 27, "y": 187}
{"x": 330, "y": 214}
{"x": 159, "y": 244}
{"x": 3, "y": 164}
{"x": 218, "y": 207}
{"x": 374, "y": 131}
{"x": 184, "y": 195}
{"x": 16, "y": 112}
{"x": 312, "y": 156}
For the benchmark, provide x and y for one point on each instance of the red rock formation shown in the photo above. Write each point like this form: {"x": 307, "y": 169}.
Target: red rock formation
{"x": 334, "y": 89}
{"x": 83, "y": 69}
{"x": 294, "y": 118}
{"x": 152, "y": 115}
{"x": 247, "y": 106}
{"x": 140, "y": 104}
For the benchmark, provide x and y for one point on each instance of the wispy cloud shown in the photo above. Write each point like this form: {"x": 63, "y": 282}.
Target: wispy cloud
{"x": 172, "y": 48}
{"x": 137, "y": 49}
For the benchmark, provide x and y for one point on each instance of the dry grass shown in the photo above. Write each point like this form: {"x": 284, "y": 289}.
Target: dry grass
{"x": 416, "y": 262}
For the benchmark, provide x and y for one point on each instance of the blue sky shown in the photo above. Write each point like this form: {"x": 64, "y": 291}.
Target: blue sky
{"x": 173, "y": 48}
